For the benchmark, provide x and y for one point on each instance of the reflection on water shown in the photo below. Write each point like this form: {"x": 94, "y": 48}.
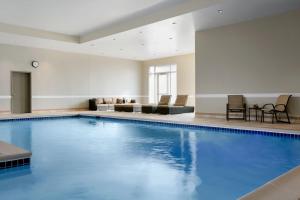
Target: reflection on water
{"x": 17, "y": 133}
{"x": 15, "y": 172}
{"x": 21, "y": 135}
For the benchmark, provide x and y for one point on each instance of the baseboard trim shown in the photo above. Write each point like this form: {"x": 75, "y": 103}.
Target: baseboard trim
{"x": 5, "y": 112}
{"x": 210, "y": 115}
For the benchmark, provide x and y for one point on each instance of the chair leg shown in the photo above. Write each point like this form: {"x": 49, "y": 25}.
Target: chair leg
{"x": 275, "y": 113}
{"x": 273, "y": 118}
{"x": 288, "y": 118}
{"x": 227, "y": 117}
{"x": 249, "y": 115}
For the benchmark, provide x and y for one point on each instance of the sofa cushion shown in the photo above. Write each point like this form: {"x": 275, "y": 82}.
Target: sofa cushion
{"x": 113, "y": 100}
{"x": 99, "y": 101}
{"x": 108, "y": 100}
{"x": 119, "y": 101}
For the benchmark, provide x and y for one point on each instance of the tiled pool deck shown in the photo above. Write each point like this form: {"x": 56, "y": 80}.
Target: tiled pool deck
{"x": 285, "y": 187}
{"x": 12, "y": 156}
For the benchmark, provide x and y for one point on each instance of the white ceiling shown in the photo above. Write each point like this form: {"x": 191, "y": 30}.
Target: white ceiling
{"x": 72, "y": 17}
{"x": 161, "y": 39}
{"x": 119, "y": 28}
{"x": 235, "y": 11}
{"x": 174, "y": 36}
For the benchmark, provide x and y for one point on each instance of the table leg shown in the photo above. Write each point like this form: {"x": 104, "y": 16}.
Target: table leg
{"x": 249, "y": 114}
{"x": 255, "y": 114}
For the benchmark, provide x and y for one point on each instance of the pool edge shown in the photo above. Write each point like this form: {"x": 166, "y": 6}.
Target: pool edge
{"x": 283, "y": 186}
{"x": 235, "y": 129}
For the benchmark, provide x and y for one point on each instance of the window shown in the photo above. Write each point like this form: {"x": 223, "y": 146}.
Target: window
{"x": 162, "y": 81}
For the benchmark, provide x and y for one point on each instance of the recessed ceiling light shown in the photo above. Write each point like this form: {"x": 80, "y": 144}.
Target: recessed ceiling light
{"x": 220, "y": 11}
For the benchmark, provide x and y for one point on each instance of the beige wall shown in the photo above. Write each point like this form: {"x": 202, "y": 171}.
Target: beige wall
{"x": 259, "y": 58}
{"x": 185, "y": 74}
{"x": 67, "y": 80}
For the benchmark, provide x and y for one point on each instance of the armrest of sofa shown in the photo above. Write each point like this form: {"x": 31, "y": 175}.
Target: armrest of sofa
{"x": 92, "y": 104}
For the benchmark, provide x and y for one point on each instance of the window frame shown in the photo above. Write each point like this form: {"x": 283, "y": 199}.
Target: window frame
{"x": 153, "y": 73}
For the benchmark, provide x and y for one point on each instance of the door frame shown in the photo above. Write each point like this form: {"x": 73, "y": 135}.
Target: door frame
{"x": 11, "y": 89}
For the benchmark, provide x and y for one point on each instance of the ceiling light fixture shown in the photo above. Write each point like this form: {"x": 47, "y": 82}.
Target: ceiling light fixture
{"x": 220, "y": 11}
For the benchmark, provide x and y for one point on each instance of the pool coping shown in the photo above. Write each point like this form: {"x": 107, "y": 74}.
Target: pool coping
{"x": 12, "y": 156}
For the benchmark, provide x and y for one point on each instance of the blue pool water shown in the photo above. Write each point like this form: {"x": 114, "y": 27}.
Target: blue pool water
{"x": 89, "y": 158}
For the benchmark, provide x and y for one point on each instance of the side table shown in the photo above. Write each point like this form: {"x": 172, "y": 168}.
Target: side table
{"x": 256, "y": 109}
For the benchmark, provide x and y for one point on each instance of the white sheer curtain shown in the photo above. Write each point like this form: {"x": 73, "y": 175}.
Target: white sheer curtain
{"x": 162, "y": 80}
